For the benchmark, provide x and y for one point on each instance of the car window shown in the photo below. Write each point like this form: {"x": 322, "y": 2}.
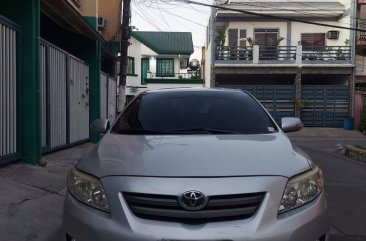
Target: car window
{"x": 192, "y": 112}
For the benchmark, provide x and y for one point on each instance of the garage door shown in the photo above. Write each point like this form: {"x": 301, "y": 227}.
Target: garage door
{"x": 325, "y": 105}
{"x": 278, "y": 99}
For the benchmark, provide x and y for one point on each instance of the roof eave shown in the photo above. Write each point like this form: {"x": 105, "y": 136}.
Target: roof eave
{"x": 62, "y": 13}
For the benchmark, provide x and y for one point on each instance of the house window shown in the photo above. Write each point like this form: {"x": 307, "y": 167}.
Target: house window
{"x": 131, "y": 66}
{"x": 165, "y": 67}
{"x": 266, "y": 37}
{"x": 238, "y": 37}
{"x": 309, "y": 41}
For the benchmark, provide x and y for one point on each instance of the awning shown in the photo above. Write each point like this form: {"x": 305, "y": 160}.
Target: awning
{"x": 65, "y": 15}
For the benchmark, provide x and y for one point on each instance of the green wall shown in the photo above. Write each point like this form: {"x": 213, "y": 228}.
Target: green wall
{"x": 26, "y": 14}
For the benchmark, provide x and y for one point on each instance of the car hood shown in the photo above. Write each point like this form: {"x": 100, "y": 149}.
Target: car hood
{"x": 195, "y": 156}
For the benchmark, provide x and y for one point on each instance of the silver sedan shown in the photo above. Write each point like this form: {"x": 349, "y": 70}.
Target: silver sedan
{"x": 196, "y": 164}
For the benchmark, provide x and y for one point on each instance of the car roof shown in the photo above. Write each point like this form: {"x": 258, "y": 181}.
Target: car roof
{"x": 195, "y": 89}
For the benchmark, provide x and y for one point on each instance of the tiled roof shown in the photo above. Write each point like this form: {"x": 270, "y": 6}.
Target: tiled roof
{"x": 166, "y": 42}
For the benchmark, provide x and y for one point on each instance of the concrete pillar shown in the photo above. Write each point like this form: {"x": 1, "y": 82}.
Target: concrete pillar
{"x": 297, "y": 94}
{"x": 351, "y": 94}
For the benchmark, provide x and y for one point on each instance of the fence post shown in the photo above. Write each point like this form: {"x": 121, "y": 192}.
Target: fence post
{"x": 298, "y": 57}
{"x": 255, "y": 54}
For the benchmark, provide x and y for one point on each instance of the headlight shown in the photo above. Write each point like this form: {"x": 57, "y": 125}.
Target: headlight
{"x": 87, "y": 189}
{"x": 302, "y": 189}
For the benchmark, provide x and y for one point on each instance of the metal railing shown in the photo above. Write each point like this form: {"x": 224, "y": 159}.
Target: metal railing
{"x": 233, "y": 53}
{"x": 326, "y": 53}
{"x": 361, "y": 24}
{"x": 282, "y": 54}
{"x": 277, "y": 52}
{"x": 188, "y": 75}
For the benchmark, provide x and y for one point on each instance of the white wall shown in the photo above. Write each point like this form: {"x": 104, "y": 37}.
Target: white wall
{"x": 296, "y": 30}
{"x": 250, "y": 26}
{"x": 134, "y": 50}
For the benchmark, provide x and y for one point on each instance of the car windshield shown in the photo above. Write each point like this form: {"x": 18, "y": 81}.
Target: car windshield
{"x": 194, "y": 112}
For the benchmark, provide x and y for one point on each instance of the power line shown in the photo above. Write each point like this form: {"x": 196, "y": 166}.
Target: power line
{"x": 271, "y": 16}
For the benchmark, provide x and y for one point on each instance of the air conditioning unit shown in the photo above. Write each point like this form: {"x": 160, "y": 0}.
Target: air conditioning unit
{"x": 102, "y": 22}
{"x": 333, "y": 34}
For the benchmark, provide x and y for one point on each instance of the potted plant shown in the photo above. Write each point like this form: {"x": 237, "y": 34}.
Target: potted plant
{"x": 220, "y": 36}
{"x": 250, "y": 48}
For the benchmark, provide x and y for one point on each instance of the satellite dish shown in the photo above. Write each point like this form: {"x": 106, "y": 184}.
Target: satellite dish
{"x": 194, "y": 64}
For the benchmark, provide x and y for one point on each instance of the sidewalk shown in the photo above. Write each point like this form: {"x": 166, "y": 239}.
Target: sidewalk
{"x": 325, "y": 133}
{"x": 32, "y": 196}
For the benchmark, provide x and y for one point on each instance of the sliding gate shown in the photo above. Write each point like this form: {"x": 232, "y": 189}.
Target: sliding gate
{"x": 108, "y": 97}
{"x": 65, "y": 98}
{"x": 8, "y": 92}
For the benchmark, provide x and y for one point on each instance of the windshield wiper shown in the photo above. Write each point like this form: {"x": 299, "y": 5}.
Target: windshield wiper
{"x": 138, "y": 132}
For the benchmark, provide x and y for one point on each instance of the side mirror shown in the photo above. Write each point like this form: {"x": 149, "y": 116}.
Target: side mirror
{"x": 290, "y": 124}
{"x": 100, "y": 125}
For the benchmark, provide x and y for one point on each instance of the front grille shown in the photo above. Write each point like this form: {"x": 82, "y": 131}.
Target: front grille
{"x": 218, "y": 208}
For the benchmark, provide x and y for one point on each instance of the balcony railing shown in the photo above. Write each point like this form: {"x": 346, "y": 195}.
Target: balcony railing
{"x": 283, "y": 54}
{"x": 192, "y": 77}
{"x": 361, "y": 35}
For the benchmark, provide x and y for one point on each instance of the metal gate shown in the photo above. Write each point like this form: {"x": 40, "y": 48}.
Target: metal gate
{"x": 78, "y": 80}
{"x": 8, "y": 91}
{"x": 325, "y": 105}
{"x": 277, "y": 99}
{"x": 108, "y": 97}
{"x": 65, "y": 98}
{"x": 56, "y": 101}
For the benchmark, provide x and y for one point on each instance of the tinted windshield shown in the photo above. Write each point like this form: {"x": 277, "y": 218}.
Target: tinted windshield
{"x": 186, "y": 112}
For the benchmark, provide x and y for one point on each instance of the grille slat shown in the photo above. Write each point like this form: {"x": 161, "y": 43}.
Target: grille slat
{"x": 182, "y": 214}
{"x": 218, "y": 208}
{"x": 152, "y": 201}
{"x": 235, "y": 201}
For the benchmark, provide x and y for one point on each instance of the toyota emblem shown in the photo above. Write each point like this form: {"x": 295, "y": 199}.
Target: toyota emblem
{"x": 193, "y": 200}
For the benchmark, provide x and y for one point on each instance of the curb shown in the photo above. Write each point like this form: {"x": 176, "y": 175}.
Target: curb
{"x": 357, "y": 153}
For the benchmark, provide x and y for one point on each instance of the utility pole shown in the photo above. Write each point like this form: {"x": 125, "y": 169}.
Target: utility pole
{"x": 125, "y": 36}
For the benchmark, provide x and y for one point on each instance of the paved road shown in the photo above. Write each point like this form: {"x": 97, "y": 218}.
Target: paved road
{"x": 345, "y": 186}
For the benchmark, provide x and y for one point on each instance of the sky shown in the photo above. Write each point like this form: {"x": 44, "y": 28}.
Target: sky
{"x": 168, "y": 15}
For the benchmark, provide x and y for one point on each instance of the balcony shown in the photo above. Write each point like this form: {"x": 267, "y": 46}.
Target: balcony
{"x": 192, "y": 77}
{"x": 361, "y": 36}
{"x": 291, "y": 55}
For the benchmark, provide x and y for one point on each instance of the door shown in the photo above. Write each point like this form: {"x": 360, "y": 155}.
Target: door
{"x": 145, "y": 67}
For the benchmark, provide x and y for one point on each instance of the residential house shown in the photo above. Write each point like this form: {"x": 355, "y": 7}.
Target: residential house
{"x": 159, "y": 60}
{"x": 53, "y": 57}
{"x": 360, "y": 73}
{"x": 293, "y": 65}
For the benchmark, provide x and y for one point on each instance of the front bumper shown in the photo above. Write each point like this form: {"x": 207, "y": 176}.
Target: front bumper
{"x": 307, "y": 223}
